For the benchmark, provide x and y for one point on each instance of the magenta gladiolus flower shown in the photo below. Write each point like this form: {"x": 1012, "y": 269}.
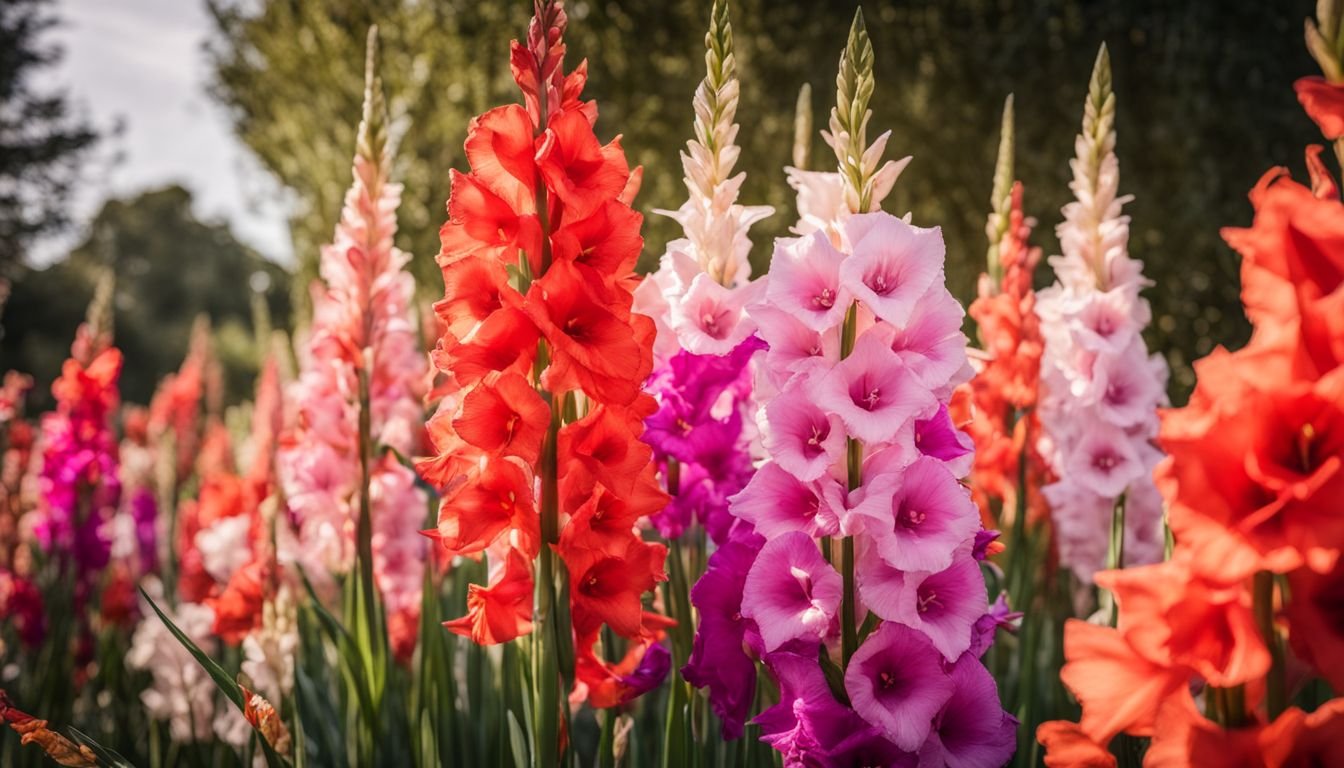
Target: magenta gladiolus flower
{"x": 718, "y": 661}
{"x": 791, "y": 592}
{"x": 896, "y": 682}
{"x": 972, "y": 730}
{"x": 808, "y": 727}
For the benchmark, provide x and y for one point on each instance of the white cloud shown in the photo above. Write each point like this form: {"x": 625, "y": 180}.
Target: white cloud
{"x": 140, "y": 61}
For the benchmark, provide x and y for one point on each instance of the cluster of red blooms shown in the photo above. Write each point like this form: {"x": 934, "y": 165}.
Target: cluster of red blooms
{"x": 545, "y": 369}
{"x": 1253, "y": 485}
{"x": 177, "y": 402}
{"x": 225, "y": 493}
{"x": 997, "y": 402}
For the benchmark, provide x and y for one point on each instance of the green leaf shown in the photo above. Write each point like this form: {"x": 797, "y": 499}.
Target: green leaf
{"x": 105, "y": 756}
{"x": 518, "y": 744}
{"x": 835, "y": 676}
{"x": 232, "y": 691}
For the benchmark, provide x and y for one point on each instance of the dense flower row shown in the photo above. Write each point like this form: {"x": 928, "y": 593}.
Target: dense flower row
{"x": 838, "y": 456}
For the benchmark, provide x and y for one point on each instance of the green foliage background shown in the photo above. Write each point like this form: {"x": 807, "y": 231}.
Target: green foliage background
{"x": 1204, "y": 88}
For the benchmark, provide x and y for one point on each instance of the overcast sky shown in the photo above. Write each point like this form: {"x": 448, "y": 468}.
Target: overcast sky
{"x": 141, "y": 62}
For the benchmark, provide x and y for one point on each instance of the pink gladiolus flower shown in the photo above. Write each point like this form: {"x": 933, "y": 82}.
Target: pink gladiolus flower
{"x": 872, "y": 391}
{"x": 918, "y": 518}
{"x": 775, "y": 502}
{"x": 892, "y": 265}
{"x": 896, "y": 682}
{"x": 805, "y": 281}
{"x": 709, "y": 319}
{"x": 791, "y": 592}
{"x": 802, "y": 438}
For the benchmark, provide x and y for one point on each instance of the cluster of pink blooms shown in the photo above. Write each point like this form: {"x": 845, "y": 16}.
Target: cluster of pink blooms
{"x": 362, "y": 328}
{"x": 915, "y": 685}
{"x": 1100, "y": 389}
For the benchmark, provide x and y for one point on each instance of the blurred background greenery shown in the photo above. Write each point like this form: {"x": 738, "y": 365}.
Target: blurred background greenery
{"x": 1204, "y": 97}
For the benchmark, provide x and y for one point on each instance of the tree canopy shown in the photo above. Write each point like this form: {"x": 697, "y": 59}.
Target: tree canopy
{"x": 169, "y": 268}
{"x": 41, "y": 141}
{"x": 1204, "y": 88}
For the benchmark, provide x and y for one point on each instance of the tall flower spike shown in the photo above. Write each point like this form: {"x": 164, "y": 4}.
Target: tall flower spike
{"x": 851, "y": 562}
{"x": 551, "y": 484}
{"x": 1000, "y": 198}
{"x": 1100, "y": 389}
{"x": 862, "y": 181}
{"x": 359, "y": 390}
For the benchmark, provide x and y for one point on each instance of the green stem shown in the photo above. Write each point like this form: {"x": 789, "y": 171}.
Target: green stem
{"x": 546, "y": 661}
{"x": 1115, "y": 555}
{"x": 854, "y": 470}
{"x": 606, "y": 749}
{"x": 1263, "y": 600}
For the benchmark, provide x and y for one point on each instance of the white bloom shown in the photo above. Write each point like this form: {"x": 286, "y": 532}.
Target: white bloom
{"x": 181, "y": 692}
{"x": 223, "y": 546}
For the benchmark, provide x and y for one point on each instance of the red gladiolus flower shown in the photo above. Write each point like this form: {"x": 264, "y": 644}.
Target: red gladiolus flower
{"x": 238, "y": 608}
{"x": 536, "y": 443}
{"x": 496, "y": 498}
{"x": 504, "y": 416}
{"x": 606, "y": 586}
{"x": 1324, "y": 102}
{"x": 502, "y": 611}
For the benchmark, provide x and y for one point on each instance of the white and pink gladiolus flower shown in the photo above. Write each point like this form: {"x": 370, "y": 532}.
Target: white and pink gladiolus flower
{"x": 1100, "y": 388}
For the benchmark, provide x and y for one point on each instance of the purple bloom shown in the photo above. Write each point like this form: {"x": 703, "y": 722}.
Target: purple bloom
{"x": 999, "y": 615}
{"x": 718, "y": 661}
{"x": 144, "y": 511}
{"x": 972, "y": 730}
{"x": 649, "y": 674}
{"x": 983, "y": 538}
{"x": 808, "y": 727}
{"x": 938, "y": 437}
{"x": 896, "y": 682}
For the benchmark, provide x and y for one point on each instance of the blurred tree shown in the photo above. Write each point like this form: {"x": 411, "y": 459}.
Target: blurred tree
{"x": 41, "y": 143}
{"x": 1204, "y": 88}
{"x": 169, "y": 268}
